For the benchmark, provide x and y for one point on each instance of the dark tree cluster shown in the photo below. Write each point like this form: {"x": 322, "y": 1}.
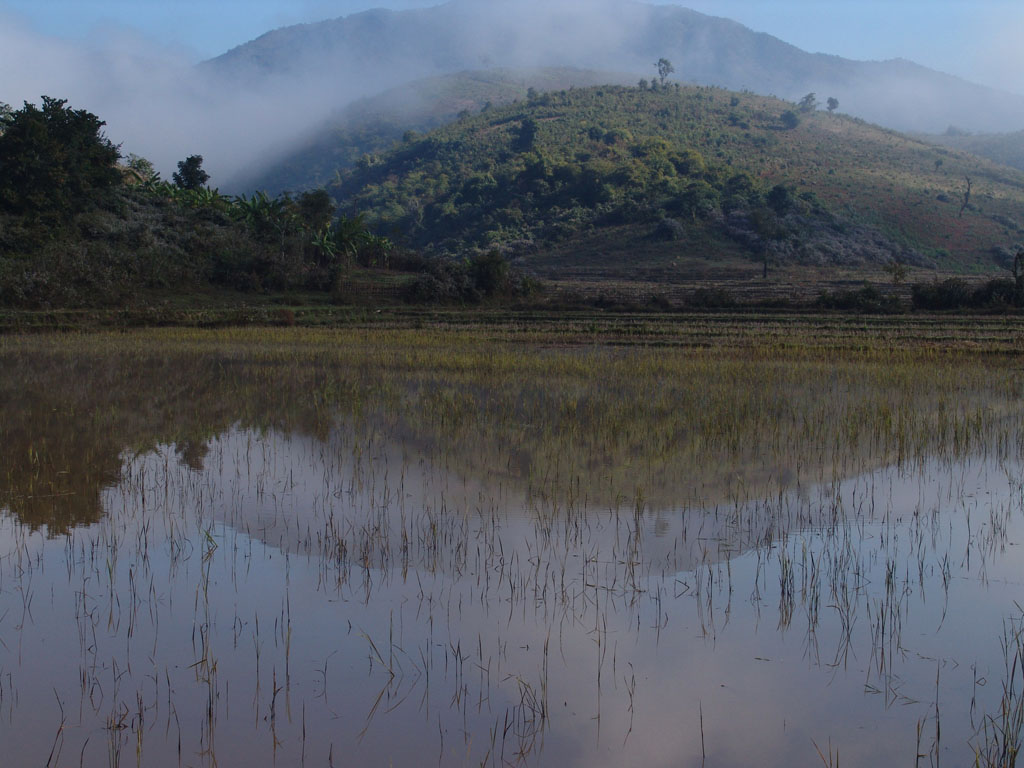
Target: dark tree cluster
{"x": 54, "y": 161}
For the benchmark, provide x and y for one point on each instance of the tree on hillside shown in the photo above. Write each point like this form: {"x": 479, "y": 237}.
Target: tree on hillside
{"x": 789, "y": 119}
{"x": 316, "y": 209}
{"x": 527, "y": 134}
{"x": 769, "y": 229}
{"x": 54, "y": 161}
{"x": 965, "y": 196}
{"x": 832, "y": 104}
{"x": 808, "y": 103}
{"x": 190, "y": 173}
{"x": 6, "y": 115}
{"x": 665, "y": 69}
{"x": 780, "y": 199}
{"x": 142, "y": 167}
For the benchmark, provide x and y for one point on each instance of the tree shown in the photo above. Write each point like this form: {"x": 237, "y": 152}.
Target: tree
{"x": 142, "y": 167}
{"x": 769, "y": 229}
{"x": 665, "y": 69}
{"x": 965, "y": 195}
{"x": 808, "y": 103}
{"x": 190, "y": 173}
{"x": 527, "y": 134}
{"x": 316, "y": 209}
{"x": 780, "y": 199}
{"x": 490, "y": 272}
{"x": 789, "y": 119}
{"x": 832, "y": 104}
{"x": 6, "y": 116}
{"x": 54, "y": 161}
{"x": 896, "y": 270}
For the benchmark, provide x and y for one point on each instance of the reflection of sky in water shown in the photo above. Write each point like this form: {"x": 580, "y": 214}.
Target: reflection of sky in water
{"x": 650, "y": 621}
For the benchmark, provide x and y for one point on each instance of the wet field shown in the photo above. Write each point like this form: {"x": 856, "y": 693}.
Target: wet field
{"x": 474, "y": 548}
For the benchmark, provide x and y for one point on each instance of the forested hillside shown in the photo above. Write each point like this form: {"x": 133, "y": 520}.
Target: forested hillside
{"x": 677, "y": 172}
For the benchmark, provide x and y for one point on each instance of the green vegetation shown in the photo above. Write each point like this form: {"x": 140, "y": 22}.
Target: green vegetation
{"x": 528, "y": 177}
{"x": 54, "y": 162}
{"x": 190, "y": 173}
{"x": 662, "y": 186}
{"x": 77, "y": 229}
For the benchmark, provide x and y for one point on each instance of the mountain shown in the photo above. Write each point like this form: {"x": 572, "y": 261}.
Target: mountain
{"x": 375, "y": 50}
{"x": 627, "y": 180}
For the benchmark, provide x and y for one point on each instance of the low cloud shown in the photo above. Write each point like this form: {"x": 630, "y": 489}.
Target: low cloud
{"x": 159, "y": 104}
{"x": 155, "y": 102}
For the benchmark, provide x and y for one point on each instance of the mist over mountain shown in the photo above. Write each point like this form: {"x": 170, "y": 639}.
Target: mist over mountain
{"x": 251, "y": 109}
{"x": 373, "y": 124}
{"x": 1003, "y": 148}
{"x": 378, "y": 49}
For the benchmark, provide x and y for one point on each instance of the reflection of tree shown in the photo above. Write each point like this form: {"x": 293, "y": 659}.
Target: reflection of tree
{"x": 192, "y": 453}
{"x": 69, "y": 410}
{"x": 65, "y": 423}
{"x": 600, "y": 425}
{"x": 55, "y": 469}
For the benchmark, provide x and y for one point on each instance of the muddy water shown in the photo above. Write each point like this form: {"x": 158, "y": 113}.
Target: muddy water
{"x": 350, "y": 591}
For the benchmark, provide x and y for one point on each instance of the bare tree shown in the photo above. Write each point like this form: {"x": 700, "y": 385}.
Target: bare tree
{"x": 965, "y": 193}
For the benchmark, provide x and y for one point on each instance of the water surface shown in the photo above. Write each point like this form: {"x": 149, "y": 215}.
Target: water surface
{"x": 391, "y": 550}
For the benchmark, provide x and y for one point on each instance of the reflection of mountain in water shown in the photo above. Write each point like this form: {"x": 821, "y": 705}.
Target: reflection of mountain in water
{"x": 570, "y": 429}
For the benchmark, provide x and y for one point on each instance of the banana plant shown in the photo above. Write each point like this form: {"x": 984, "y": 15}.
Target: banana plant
{"x": 325, "y": 244}
{"x": 351, "y": 235}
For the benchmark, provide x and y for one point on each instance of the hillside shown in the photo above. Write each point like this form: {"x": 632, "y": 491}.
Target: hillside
{"x": 629, "y": 181}
{"x": 379, "y": 49}
{"x": 373, "y": 124}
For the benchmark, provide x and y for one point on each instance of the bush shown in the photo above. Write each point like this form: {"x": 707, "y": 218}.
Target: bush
{"x": 953, "y": 293}
{"x": 669, "y": 230}
{"x": 490, "y": 273}
{"x": 997, "y": 293}
{"x": 866, "y": 299}
{"x": 711, "y": 298}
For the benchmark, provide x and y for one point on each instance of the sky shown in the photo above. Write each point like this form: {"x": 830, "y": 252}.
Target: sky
{"x": 981, "y": 40}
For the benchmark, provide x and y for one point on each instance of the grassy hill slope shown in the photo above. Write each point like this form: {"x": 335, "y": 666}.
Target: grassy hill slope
{"x": 651, "y": 177}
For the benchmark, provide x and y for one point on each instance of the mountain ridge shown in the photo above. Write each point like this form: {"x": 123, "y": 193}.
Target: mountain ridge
{"x": 382, "y": 48}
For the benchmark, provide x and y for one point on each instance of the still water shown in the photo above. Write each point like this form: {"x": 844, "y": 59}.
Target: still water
{"x": 205, "y": 562}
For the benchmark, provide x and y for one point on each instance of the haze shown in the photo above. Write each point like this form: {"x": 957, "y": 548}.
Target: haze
{"x": 132, "y": 62}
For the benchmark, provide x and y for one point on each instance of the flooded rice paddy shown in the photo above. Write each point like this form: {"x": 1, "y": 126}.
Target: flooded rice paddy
{"x": 408, "y": 548}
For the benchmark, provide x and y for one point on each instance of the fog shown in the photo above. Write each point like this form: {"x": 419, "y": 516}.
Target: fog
{"x": 249, "y": 107}
{"x": 154, "y": 100}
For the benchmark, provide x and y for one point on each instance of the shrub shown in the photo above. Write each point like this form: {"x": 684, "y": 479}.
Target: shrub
{"x": 866, "y": 299}
{"x": 711, "y": 298}
{"x": 953, "y": 293}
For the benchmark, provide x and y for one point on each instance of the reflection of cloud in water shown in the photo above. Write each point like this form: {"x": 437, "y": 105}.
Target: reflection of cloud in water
{"x": 693, "y": 625}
